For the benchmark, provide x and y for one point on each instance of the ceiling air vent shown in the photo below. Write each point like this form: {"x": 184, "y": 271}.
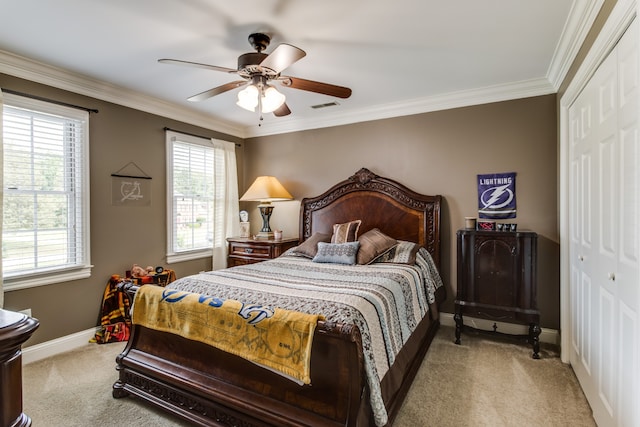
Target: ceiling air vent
{"x": 328, "y": 104}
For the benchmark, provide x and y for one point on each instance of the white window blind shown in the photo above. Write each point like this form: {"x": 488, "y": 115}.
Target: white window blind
{"x": 45, "y": 225}
{"x": 192, "y": 165}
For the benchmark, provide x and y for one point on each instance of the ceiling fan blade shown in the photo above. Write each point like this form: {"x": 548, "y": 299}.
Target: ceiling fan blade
{"x": 313, "y": 86}
{"x": 216, "y": 91}
{"x": 282, "y": 110}
{"x": 282, "y": 57}
{"x": 196, "y": 64}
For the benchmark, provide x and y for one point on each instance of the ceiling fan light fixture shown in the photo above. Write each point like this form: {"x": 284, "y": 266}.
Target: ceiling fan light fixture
{"x": 248, "y": 98}
{"x": 272, "y": 100}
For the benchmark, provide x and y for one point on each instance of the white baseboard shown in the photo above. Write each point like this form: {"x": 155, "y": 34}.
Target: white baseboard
{"x": 59, "y": 345}
{"x": 550, "y": 336}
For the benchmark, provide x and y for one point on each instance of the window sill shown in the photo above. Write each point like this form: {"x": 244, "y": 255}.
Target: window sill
{"x": 188, "y": 256}
{"x": 25, "y": 282}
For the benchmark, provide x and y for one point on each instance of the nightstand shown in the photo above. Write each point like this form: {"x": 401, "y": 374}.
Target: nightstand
{"x": 15, "y": 329}
{"x": 248, "y": 251}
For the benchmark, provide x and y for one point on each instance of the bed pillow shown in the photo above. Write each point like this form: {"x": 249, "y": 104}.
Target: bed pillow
{"x": 402, "y": 253}
{"x": 337, "y": 253}
{"x": 347, "y": 232}
{"x": 374, "y": 243}
{"x": 309, "y": 247}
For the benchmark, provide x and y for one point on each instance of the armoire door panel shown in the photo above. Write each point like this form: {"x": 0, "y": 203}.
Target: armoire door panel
{"x": 495, "y": 268}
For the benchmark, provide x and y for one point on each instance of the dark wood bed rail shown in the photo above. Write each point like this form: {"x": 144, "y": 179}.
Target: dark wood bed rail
{"x": 193, "y": 372}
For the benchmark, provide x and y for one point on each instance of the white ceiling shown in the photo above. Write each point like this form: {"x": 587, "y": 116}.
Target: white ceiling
{"x": 399, "y": 57}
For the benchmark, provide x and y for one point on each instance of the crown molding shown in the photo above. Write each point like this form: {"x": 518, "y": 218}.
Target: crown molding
{"x": 39, "y": 72}
{"x": 497, "y": 93}
{"x": 581, "y": 18}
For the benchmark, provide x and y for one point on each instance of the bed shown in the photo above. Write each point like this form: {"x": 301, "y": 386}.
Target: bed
{"x": 208, "y": 386}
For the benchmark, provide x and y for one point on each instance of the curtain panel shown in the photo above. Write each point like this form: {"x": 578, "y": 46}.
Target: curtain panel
{"x": 1, "y": 192}
{"x": 226, "y": 209}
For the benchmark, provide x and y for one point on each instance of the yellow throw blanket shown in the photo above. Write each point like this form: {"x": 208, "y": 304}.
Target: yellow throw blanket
{"x": 275, "y": 338}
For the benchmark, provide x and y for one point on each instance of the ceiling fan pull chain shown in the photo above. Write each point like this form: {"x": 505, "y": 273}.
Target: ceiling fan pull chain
{"x": 260, "y": 95}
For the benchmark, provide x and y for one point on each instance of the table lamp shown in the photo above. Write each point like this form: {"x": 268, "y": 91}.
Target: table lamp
{"x": 266, "y": 189}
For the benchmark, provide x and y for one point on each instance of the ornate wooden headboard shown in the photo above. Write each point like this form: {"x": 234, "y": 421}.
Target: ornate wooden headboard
{"x": 380, "y": 203}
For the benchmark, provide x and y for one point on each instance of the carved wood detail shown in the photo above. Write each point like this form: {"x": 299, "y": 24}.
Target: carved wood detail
{"x": 186, "y": 401}
{"x": 371, "y": 188}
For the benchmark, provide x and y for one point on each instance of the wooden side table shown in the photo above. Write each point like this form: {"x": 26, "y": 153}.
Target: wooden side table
{"x": 248, "y": 251}
{"x": 15, "y": 329}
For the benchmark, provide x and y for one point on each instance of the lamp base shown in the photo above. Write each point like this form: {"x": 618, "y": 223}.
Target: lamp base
{"x": 266, "y": 209}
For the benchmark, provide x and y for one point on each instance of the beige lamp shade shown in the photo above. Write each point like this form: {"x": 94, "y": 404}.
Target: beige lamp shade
{"x": 266, "y": 189}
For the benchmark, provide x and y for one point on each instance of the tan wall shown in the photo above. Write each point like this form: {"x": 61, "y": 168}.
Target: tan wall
{"x": 120, "y": 236}
{"x": 433, "y": 153}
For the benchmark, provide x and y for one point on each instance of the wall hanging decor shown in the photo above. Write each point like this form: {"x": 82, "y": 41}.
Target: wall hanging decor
{"x": 497, "y": 195}
{"x": 130, "y": 186}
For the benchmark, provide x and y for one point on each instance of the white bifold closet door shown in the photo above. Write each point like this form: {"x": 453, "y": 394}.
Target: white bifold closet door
{"x": 604, "y": 253}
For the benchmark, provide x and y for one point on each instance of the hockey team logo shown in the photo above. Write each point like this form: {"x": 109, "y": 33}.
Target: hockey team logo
{"x": 497, "y": 196}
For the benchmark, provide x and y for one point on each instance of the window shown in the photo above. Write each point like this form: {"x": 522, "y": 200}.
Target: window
{"x": 195, "y": 178}
{"x": 45, "y": 231}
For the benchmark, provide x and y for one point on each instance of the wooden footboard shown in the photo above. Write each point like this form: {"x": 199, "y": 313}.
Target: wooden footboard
{"x": 210, "y": 387}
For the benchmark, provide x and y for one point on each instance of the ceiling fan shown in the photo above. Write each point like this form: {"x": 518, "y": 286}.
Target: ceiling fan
{"x": 258, "y": 70}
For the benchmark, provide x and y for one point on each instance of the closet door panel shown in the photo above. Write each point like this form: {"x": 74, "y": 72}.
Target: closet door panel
{"x": 604, "y": 253}
{"x": 607, "y": 362}
{"x": 628, "y": 365}
{"x": 585, "y": 320}
{"x": 627, "y": 279}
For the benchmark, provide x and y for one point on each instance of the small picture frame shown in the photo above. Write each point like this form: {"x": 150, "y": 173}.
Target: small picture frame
{"x": 486, "y": 225}
{"x": 245, "y": 229}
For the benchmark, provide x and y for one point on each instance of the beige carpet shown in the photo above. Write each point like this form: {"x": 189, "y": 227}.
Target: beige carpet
{"x": 483, "y": 382}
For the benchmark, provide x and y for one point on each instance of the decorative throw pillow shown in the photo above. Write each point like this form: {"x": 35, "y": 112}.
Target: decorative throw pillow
{"x": 374, "y": 243}
{"x": 337, "y": 253}
{"x": 347, "y": 232}
{"x": 309, "y": 247}
{"x": 402, "y": 253}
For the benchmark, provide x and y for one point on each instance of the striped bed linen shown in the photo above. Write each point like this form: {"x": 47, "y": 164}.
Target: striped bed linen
{"x": 386, "y": 301}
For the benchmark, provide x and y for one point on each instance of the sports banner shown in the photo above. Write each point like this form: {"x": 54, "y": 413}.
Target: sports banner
{"x": 497, "y": 195}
